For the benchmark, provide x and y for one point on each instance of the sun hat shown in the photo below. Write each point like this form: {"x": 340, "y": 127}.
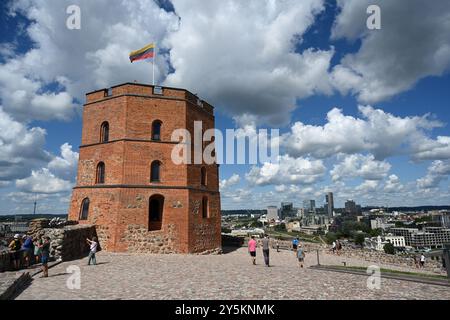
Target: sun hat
{"x": 16, "y": 236}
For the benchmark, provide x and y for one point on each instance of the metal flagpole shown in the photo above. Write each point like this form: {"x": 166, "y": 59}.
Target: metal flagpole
{"x": 154, "y": 59}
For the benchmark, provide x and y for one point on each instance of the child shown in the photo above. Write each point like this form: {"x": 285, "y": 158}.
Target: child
{"x": 93, "y": 249}
{"x": 300, "y": 255}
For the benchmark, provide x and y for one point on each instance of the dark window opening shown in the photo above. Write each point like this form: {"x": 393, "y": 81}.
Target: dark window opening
{"x": 205, "y": 208}
{"x": 84, "y": 211}
{"x": 155, "y": 171}
{"x": 156, "y": 130}
{"x": 203, "y": 176}
{"x": 155, "y": 212}
{"x": 104, "y": 132}
{"x": 100, "y": 174}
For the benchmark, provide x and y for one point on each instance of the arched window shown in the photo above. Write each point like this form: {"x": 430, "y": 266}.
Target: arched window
{"x": 156, "y": 130}
{"x": 84, "y": 210}
{"x": 104, "y": 132}
{"x": 100, "y": 173}
{"x": 205, "y": 209}
{"x": 203, "y": 176}
{"x": 155, "y": 212}
{"x": 155, "y": 173}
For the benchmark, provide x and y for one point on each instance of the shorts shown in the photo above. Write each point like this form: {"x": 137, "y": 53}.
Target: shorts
{"x": 253, "y": 253}
{"x": 28, "y": 253}
{"x": 44, "y": 260}
{"x": 301, "y": 259}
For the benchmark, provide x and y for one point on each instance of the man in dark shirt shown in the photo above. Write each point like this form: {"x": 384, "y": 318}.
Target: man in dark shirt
{"x": 265, "y": 249}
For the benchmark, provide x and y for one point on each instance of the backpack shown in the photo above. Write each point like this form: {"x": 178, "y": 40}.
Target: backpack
{"x": 17, "y": 245}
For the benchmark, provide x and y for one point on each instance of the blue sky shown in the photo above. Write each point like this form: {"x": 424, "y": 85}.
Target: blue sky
{"x": 262, "y": 64}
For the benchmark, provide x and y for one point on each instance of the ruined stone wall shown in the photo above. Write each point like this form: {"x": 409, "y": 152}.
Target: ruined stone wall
{"x": 66, "y": 243}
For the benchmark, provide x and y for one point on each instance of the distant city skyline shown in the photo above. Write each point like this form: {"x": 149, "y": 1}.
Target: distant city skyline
{"x": 351, "y": 121}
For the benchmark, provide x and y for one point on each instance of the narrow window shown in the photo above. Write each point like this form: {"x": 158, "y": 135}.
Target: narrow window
{"x": 155, "y": 171}
{"x": 104, "y": 132}
{"x": 100, "y": 174}
{"x": 155, "y": 212}
{"x": 205, "y": 208}
{"x": 203, "y": 176}
{"x": 156, "y": 130}
{"x": 84, "y": 211}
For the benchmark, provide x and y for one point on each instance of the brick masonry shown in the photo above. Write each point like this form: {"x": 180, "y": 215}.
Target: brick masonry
{"x": 119, "y": 208}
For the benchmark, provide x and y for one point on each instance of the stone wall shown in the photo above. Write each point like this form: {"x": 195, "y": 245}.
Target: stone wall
{"x": 69, "y": 243}
{"x": 139, "y": 239}
{"x": 66, "y": 242}
{"x": 5, "y": 261}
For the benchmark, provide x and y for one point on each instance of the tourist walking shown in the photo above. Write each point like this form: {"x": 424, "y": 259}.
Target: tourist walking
{"x": 252, "y": 249}
{"x": 265, "y": 249}
{"x": 295, "y": 244}
{"x": 37, "y": 251}
{"x": 15, "y": 247}
{"x": 300, "y": 256}
{"x": 45, "y": 255}
{"x": 333, "y": 247}
{"x": 27, "y": 248}
{"x": 93, "y": 244}
{"x": 278, "y": 245}
{"x": 422, "y": 260}
{"x": 416, "y": 263}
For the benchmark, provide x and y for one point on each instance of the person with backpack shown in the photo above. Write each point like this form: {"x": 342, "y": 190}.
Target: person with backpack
{"x": 15, "y": 247}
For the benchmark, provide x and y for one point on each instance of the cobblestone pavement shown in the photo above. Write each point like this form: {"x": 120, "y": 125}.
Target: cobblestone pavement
{"x": 227, "y": 276}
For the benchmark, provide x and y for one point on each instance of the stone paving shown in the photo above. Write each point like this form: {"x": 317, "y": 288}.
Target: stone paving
{"x": 226, "y": 276}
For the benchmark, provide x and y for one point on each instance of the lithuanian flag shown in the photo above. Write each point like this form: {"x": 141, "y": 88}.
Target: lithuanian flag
{"x": 144, "y": 53}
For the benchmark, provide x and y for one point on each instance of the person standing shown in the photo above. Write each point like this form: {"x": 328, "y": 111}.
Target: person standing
{"x": 37, "y": 251}
{"x": 422, "y": 260}
{"x": 416, "y": 263}
{"x": 300, "y": 256}
{"x": 252, "y": 249}
{"x": 93, "y": 249}
{"x": 278, "y": 245}
{"x": 295, "y": 244}
{"x": 15, "y": 247}
{"x": 265, "y": 249}
{"x": 45, "y": 255}
{"x": 333, "y": 247}
{"x": 27, "y": 248}
{"x": 338, "y": 247}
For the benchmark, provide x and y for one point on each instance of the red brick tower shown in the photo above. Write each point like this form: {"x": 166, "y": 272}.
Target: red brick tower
{"x": 127, "y": 183}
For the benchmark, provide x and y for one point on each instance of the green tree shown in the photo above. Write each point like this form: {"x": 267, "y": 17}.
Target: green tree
{"x": 280, "y": 227}
{"x": 375, "y": 232}
{"x": 389, "y": 248}
{"x": 359, "y": 239}
{"x": 256, "y": 224}
{"x": 330, "y": 237}
{"x": 226, "y": 230}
